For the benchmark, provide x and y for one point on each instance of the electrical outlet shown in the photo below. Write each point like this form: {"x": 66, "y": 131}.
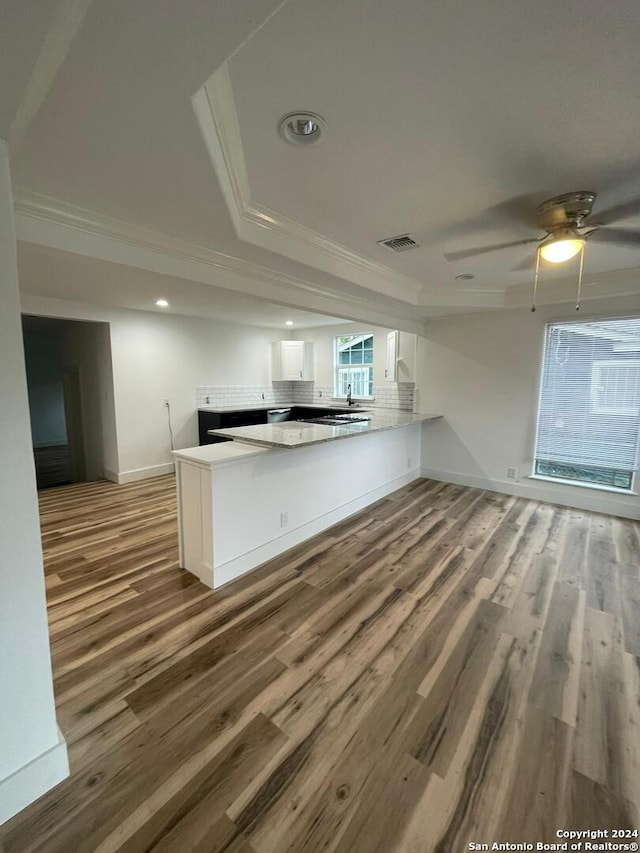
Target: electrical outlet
{"x": 284, "y": 519}
{"x": 408, "y": 462}
{"x": 512, "y": 473}
{"x": 166, "y": 402}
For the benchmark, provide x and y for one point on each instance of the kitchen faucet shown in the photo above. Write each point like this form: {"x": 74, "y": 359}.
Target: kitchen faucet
{"x": 349, "y": 400}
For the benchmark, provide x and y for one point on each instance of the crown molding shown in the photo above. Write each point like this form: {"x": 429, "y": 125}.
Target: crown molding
{"x": 338, "y": 259}
{"x": 221, "y": 132}
{"x": 50, "y": 222}
{"x": 216, "y": 113}
{"x": 30, "y": 206}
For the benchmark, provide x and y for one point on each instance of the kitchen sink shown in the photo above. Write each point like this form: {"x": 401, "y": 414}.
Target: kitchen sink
{"x": 335, "y": 420}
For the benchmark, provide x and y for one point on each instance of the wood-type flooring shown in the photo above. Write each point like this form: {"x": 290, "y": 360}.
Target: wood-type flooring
{"x": 449, "y": 666}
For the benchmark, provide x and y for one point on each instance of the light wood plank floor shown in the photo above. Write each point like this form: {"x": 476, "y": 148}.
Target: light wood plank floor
{"x": 448, "y": 666}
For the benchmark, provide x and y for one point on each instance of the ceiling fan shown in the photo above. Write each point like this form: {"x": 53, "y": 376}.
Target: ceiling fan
{"x": 564, "y": 219}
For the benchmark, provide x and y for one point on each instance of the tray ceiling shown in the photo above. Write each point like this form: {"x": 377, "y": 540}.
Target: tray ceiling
{"x": 442, "y": 120}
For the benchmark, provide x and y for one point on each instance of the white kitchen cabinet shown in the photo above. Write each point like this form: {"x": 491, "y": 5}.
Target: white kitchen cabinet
{"x": 291, "y": 361}
{"x": 401, "y": 357}
{"x": 391, "y": 364}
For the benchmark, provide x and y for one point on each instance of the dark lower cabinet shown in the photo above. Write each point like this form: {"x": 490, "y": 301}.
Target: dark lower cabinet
{"x": 300, "y": 413}
{"x": 225, "y": 420}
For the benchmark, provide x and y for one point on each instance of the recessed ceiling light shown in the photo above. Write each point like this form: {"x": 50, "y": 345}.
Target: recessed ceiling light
{"x": 289, "y": 323}
{"x": 162, "y": 303}
{"x": 465, "y": 276}
{"x": 301, "y": 128}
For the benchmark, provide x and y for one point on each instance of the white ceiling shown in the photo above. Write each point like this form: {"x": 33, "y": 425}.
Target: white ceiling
{"x": 23, "y": 27}
{"x": 443, "y": 119}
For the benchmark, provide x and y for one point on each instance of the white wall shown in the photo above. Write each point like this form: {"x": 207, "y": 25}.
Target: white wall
{"x": 107, "y": 398}
{"x": 481, "y": 371}
{"x": 32, "y": 758}
{"x": 157, "y": 356}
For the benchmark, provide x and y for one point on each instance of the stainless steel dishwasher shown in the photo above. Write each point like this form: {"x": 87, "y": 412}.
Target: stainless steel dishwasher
{"x": 275, "y": 416}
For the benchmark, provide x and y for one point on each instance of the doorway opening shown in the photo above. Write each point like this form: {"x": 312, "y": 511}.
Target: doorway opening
{"x": 70, "y": 387}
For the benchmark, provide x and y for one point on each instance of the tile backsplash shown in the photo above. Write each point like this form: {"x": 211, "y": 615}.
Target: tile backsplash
{"x": 392, "y": 396}
{"x": 244, "y": 395}
{"x": 398, "y": 395}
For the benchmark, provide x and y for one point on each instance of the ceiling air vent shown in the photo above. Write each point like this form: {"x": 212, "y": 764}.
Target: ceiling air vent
{"x": 403, "y": 243}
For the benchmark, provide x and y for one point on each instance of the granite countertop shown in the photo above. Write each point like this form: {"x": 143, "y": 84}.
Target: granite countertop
{"x": 291, "y": 434}
{"x": 264, "y": 407}
{"x": 219, "y": 455}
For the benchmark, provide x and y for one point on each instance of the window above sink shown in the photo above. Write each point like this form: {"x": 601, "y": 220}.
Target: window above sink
{"x": 353, "y": 365}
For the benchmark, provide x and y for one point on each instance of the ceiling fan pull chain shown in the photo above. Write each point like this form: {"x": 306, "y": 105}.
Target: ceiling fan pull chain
{"x": 535, "y": 279}
{"x": 580, "y": 278}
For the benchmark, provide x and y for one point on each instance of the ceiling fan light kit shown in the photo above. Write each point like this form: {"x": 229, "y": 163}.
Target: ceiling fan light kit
{"x": 563, "y": 218}
{"x": 562, "y": 246}
{"x": 540, "y": 253}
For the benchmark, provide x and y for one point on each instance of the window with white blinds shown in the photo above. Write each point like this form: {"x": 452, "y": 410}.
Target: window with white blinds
{"x": 589, "y": 415}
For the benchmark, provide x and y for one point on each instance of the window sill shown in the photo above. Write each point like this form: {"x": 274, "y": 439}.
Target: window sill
{"x": 580, "y": 485}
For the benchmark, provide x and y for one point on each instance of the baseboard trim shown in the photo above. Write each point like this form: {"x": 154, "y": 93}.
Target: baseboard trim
{"x": 33, "y": 780}
{"x": 586, "y": 499}
{"x": 239, "y": 566}
{"x": 123, "y": 477}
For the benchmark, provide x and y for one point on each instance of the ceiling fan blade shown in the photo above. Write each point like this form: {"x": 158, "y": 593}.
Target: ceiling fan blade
{"x": 528, "y": 263}
{"x": 491, "y": 220}
{"x": 617, "y": 237}
{"x": 619, "y": 212}
{"x": 483, "y": 250}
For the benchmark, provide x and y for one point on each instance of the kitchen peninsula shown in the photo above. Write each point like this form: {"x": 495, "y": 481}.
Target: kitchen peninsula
{"x": 302, "y": 433}
{"x": 243, "y": 502}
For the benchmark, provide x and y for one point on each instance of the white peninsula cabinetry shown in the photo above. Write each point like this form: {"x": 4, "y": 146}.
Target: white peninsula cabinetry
{"x": 291, "y": 361}
{"x": 401, "y": 357}
{"x": 240, "y": 505}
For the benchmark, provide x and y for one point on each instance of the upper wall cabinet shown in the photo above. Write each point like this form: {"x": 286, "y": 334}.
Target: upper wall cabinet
{"x": 291, "y": 361}
{"x": 401, "y": 357}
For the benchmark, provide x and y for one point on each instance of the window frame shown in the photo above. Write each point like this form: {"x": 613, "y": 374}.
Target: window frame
{"x": 634, "y": 489}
